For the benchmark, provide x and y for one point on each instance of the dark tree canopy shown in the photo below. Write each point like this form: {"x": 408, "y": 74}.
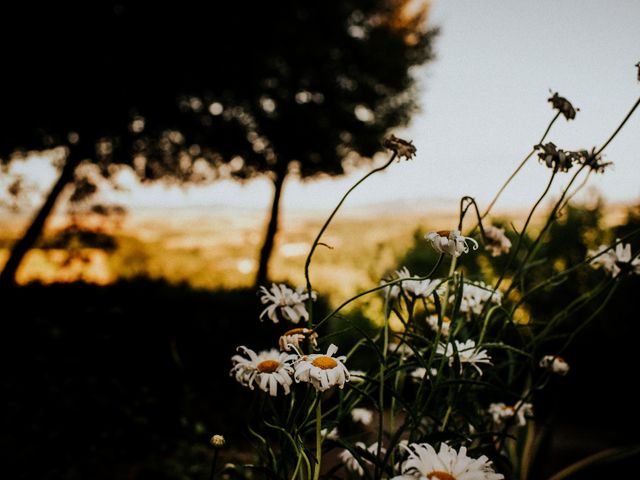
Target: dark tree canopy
{"x": 195, "y": 90}
{"x": 270, "y": 82}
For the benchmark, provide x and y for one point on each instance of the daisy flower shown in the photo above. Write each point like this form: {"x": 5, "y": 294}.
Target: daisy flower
{"x": 285, "y": 302}
{"x": 474, "y": 297}
{"x": 501, "y": 413}
{"x": 450, "y": 242}
{"x": 267, "y": 369}
{"x": 555, "y": 364}
{"x": 327, "y": 434}
{"x": 292, "y": 338}
{"x": 352, "y": 463}
{"x": 497, "y": 242}
{"x": 467, "y": 353}
{"x": 400, "y": 348}
{"x": 323, "y": 371}
{"x": 432, "y": 321}
{"x": 362, "y": 415}
{"x": 421, "y": 372}
{"x": 425, "y": 463}
{"x": 615, "y": 261}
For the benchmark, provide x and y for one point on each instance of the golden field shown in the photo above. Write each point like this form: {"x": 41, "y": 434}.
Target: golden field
{"x": 213, "y": 248}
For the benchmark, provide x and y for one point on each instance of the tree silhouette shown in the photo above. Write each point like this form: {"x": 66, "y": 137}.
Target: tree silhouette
{"x": 192, "y": 91}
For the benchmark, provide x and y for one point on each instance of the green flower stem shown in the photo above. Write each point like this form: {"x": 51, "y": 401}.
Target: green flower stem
{"x": 375, "y": 289}
{"x": 522, "y": 164}
{"x": 516, "y": 249}
{"x": 316, "y": 473}
{"x": 213, "y": 463}
{"x": 536, "y": 243}
{"x": 307, "y": 262}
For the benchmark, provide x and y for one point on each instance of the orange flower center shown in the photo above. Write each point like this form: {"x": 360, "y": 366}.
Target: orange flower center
{"x": 439, "y": 475}
{"x": 325, "y": 363}
{"x": 268, "y": 366}
{"x": 444, "y": 233}
{"x": 296, "y": 331}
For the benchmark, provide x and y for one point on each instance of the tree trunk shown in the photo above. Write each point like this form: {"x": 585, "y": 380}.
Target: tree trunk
{"x": 24, "y": 244}
{"x": 262, "y": 275}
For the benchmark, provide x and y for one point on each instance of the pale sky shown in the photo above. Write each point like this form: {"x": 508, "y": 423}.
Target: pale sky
{"x": 484, "y": 105}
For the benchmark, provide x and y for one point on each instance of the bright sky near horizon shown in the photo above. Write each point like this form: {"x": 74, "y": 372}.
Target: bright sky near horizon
{"x": 484, "y": 105}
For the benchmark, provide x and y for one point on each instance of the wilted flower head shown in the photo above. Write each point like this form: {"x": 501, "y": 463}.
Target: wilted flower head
{"x": 556, "y": 158}
{"x": 285, "y": 302}
{"x": 501, "y": 413}
{"x": 450, "y": 242}
{"x": 555, "y": 364}
{"x": 615, "y": 261}
{"x": 497, "y": 242}
{"x": 402, "y": 148}
{"x": 425, "y": 463}
{"x": 323, "y": 371}
{"x": 563, "y": 106}
{"x": 292, "y": 339}
{"x": 467, "y": 353}
{"x": 268, "y": 369}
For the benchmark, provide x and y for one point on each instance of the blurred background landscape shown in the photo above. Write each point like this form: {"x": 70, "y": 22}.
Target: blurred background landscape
{"x": 149, "y": 189}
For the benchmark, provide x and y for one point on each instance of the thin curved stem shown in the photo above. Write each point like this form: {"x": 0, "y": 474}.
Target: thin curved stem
{"x": 307, "y": 262}
{"x": 316, "y": 473}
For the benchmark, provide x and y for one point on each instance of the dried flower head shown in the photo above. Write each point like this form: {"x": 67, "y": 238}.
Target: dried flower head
{"x": 402, "y": 148}
{"x": 556, "y": 158}
{"x": 593, "y": 160}
{"x": 563, "y": 106}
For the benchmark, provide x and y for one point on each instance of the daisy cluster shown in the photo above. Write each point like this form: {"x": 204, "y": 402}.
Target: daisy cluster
{"x": 269, "y": 369}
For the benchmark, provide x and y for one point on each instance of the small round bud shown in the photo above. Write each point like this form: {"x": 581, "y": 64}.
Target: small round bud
{"x": 217, "y": 441}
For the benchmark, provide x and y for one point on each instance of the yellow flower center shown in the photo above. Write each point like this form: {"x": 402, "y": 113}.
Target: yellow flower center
{"x": 440, "y": 475}
{"x": 268, "y": 366}
{"x": 444, "y": 233}
{"x": 325, "y": 363}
